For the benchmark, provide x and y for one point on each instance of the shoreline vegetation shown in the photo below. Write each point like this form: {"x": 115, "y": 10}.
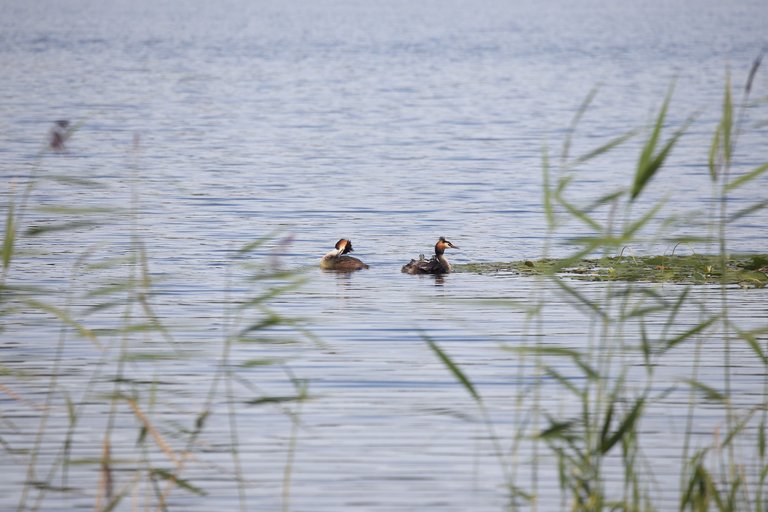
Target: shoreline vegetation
{"x": 744, "y": 270}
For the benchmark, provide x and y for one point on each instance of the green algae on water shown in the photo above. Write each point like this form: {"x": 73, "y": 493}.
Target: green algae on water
{"x": 748, "y": 271}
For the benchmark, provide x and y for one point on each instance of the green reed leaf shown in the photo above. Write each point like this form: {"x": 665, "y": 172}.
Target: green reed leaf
{"x": 66, "y": 226}
{"x": 726, "y": 123}
{"x": 699, "y": 487}
{"x": 264, "y": 323}
{"x": 546, "y": 351}
{"x": 750, "y": 337}
{"x": 180, "y": 482}
{"x": 250, "y": 247}
{"x": 272, "y": 293}
{"x": 603, "y": 200}
{"x": 251, "y": 363}
{"x": 650, "y": 160}
{"x": 611, "y": 144}
{"x": 747, "y": 211}
{"x": 669, "y": 344}
{"x": 645, "y": 346}
{"x": 580, "y": 214}
{"x": 754, "y": 173}
{"x": 549, "y": 211}
{"x": 71, "y": 411}
{"x": 64, "y": 317}
{"x": 645, "y": 175}
{"x": 201, "y": 419}
{"x": 736, "y": 429}
{"x": 752, "y": 72}
{"x": 625, "y": 427}
{"x": 714, "y": 149}
{"x": 563, "y": 380}
{"x": 644, "y": 171}
{"x": 80, "y": 182}
{"x": 709, "y": 392}
{"x": 557, "y": 430}
{"x": 575, "y": 122}
{"x": 275, "y": 400}
{"x": 454, "y": 369}
{"x": 112, "y": 288}
{"x": 10, "y": 236}
{"x": 581, "y": 299}
{"x": 607, "y": 423}
{"x": 114, "y": 502}
{"x": 81, "y": 210}
{"x": 154, "y": 356}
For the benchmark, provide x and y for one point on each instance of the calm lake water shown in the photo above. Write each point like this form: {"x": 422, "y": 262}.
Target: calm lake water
{"x": 390, "y": 123}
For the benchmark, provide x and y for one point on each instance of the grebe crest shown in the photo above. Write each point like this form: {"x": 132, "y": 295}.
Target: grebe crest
{"x": 338, "y": 261}
{"x": 437, "y": 264}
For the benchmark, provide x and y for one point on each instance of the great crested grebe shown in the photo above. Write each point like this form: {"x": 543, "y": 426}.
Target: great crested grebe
{"x": 437, "y": 264}
{"x": 336, "y": 259}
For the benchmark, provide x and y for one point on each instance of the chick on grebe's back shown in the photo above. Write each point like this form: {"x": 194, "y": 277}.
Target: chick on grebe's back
{"x": 437, "y": 264}
{"x": 338, "y": 261}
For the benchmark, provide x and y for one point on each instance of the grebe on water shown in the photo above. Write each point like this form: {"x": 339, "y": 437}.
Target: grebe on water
{"x": 336, "y": 259}
{"x": 437, "y": 264}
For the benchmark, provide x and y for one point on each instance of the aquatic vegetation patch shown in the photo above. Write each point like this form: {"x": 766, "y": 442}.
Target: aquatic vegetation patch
{"x": 748, "y": 271}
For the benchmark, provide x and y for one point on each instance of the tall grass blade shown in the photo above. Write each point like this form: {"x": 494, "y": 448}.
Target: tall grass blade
{"x": 575, "y": 122}
{"x": 275, "y": 400}
{"x": 726, "y": 123}
{"x": 714, "y": 151}
{"x": 79, "y": 210}
{"x": 581, "y": 299}
{"x": 546, "y": 351}
{"x": 670, "y": 344}
{"x": 747, "y": 211}
{"x": 696, "y": 490}
{"x": 721, "y": 148}
{"x": 66, "y": 226}
{"x": 9, "y": 237}
{"x": 65, "y": 318}
{"x": 549, "y": 211}
{"x": 454, "y": 369}
{"x": 625, "y": 427}
{"x": 250, "y": 247}
{"x": 753, "y": 343}
{"x": 651, "y": 161}
{"x": 107, "y": 482}
{"x": 557, "y": 430}
{"x": 607, "y": 424}
{"x": 154, "y": 432}
{"x": 709, "y": 392}
{"x": 752, "y": 72}
{"x": 563, "y": 380}
{"x": 113, "y": 503}
{"x": 180, "y": 482}
{"x": 580, "y": 214}
{"x": 745, "y": 178}
{"x": 613, "y": 143}
{"x": 655, "y": 164}
{"x": 738, "y": 428}
{"x": 644, "y": 172}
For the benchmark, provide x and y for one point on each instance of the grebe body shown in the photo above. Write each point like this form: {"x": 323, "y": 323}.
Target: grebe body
{"x": 437, "y": 264}
{"x": 338, "y": 260}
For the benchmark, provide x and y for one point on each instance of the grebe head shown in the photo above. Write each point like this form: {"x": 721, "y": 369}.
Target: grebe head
{"x": 344, "y": 246}
{"x": 443, "y": 244}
